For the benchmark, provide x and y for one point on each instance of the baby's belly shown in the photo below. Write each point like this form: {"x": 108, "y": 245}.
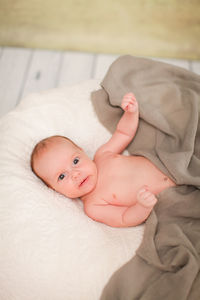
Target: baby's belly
{"x": 126, "y": 175}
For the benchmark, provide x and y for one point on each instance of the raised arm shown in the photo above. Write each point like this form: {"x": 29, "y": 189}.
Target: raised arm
{"x": 126, "y": 128}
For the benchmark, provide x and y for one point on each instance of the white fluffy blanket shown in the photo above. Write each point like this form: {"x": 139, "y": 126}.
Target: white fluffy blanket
{"x": 49, "y": 249}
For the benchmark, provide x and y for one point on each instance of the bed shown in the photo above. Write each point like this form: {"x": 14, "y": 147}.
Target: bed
{"x": 49, "y": 248}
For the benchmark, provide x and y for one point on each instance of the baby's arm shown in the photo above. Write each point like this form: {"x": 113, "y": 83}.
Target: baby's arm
{"x": 126, "y": 128}
{"x": 123, "y": 216}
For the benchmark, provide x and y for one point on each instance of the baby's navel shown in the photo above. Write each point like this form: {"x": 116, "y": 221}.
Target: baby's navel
{"x": 114, "y": 196}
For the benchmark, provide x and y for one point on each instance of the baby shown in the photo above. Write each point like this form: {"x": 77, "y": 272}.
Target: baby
{"x": 117, "y": 190}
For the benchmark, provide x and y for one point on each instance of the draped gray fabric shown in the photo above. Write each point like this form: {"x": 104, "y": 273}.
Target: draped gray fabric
{"x": 167, "y": 263}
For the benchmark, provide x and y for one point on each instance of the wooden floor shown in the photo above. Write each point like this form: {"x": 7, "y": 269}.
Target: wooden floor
{"x": 24, "y": 71}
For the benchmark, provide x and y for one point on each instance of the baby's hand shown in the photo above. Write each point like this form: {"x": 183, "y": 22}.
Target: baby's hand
{"x": 129, "y": 103}
{"x": 146, "y": 198}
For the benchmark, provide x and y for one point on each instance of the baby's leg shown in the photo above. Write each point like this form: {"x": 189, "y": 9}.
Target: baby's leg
{"x": 146, "y": 198}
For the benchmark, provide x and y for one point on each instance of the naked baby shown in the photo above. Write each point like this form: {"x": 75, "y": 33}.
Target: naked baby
{"x": 117, "y": 190}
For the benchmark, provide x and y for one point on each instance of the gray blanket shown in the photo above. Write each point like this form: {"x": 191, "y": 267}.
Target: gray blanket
{"x": 167, "y": 263}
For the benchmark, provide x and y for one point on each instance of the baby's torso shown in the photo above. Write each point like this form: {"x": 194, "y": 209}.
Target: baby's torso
{"x": 120, "y": 177}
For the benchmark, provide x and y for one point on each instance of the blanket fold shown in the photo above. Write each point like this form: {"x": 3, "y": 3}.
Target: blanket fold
{"x": 167, "y": 263}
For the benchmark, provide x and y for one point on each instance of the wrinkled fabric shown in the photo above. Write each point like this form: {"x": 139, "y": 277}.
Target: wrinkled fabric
{"x": 167, "y": 263}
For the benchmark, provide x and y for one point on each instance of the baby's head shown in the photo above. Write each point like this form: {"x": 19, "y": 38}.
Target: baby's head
{"x": 64, "y": 167}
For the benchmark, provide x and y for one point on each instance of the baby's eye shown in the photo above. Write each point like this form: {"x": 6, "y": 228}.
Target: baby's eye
{"x": 75, "y": 161}
{"x": 61, "y": 176}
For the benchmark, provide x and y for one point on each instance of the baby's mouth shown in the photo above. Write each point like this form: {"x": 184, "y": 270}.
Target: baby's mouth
{"x": 83, "y": 181}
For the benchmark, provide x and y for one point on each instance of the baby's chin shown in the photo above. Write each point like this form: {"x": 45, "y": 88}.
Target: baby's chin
{"x": 86, "y": 187}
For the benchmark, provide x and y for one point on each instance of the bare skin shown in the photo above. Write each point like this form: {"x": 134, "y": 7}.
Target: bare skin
{"x": 117, "y": 190}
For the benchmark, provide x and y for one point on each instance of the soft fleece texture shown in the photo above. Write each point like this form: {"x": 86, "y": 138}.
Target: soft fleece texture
{"x": 49, "y": 249}
{"x": 167, "y": 264}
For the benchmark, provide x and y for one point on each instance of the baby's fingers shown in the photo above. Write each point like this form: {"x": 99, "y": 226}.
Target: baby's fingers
{"x": 128, "y": 106}
{"x": 130, "y": 96}
{"x": 129, "y": 103}
{"x": 146, "y": 198}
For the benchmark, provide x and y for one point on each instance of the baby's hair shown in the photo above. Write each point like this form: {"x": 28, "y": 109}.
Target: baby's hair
{"x": 41, "y": 146}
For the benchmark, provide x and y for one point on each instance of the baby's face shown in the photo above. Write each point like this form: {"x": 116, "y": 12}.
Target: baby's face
{"x": 66, "y": 169}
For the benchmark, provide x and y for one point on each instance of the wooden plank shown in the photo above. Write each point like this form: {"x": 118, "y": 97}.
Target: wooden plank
{"x": 43, "y": 71}
{"x": 195, "y": 67}
{"x": 13, "y": 67}
{"x": 102, "y": 63}
{"x": 75, "y": 67}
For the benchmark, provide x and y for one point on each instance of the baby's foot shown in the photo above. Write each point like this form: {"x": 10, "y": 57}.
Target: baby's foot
{"x": 146, "y": 198}
{"x": 129, "y": 103}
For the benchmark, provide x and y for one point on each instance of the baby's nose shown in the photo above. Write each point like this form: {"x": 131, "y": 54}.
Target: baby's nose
{"x": 75, "y": 174}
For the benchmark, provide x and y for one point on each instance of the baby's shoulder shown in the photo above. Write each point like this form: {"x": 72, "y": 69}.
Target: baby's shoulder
{"x": 105, "y": 155}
